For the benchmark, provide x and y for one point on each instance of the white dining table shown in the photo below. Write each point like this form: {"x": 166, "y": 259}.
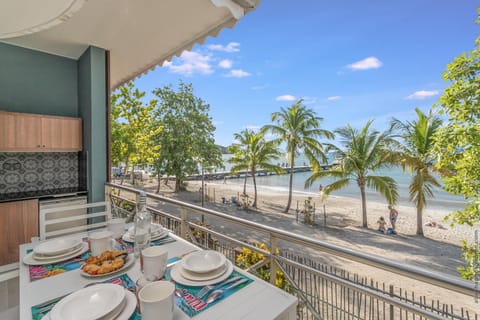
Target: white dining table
{"x": 259, "y": 300}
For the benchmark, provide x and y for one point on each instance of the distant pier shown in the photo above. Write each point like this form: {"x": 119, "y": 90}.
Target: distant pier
{"x": 228, "y": 175}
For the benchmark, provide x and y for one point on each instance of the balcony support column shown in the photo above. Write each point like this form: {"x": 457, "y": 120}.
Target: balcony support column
{"x": 183, "y": 223}
{"x": 273, "y": 262}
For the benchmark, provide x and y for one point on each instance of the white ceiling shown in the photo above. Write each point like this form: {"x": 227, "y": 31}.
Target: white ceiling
{"x": 140, "y": 34}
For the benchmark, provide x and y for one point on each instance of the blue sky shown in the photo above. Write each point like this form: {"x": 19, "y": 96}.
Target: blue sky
{"x": 350, "y": 60}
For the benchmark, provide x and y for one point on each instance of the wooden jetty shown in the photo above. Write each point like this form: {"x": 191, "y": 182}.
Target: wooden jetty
{"x": 228, "y": 175}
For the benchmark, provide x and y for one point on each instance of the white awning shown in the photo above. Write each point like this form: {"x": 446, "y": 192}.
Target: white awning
{"x": 140, "y": 34}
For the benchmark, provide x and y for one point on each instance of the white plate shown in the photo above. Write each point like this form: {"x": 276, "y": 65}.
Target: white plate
{"x": 128, "y": 262}
{"x": 41, "y": 258}
{"x": 203, "y": 261}
{"x": 88, "y": 303}
{"x": 177, "y": 276}
{"x": 203, "y": 276}
{"x": 127, "y": 311}
{"x": 128, "y": 238}
{"x": 30, "y": 260}
{"x": 57, "y": 246}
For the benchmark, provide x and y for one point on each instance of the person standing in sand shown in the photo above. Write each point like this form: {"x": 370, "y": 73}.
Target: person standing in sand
{"x": 393, "y": 218}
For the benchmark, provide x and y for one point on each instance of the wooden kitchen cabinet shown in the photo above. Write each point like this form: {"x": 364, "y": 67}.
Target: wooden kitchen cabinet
{"x": 39, "y": 133}
{"x": 18, "y": 224}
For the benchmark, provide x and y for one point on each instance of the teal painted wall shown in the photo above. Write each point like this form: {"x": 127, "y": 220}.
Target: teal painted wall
{"x": 92, "y": 109}
{"x": 37, "y": 82}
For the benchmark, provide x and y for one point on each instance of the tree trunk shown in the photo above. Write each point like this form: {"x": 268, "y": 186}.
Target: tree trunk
{"x": 245, "y": 183}
{"x": 166, "y": 180}
{"x": 159, "y": 180}
{"x": 419, "y": 221}
{"x": 178, "y": 183}
{"x": 364, "y": 206}
{"x": 290, "y": 184}
{"x": 254, "y": 189}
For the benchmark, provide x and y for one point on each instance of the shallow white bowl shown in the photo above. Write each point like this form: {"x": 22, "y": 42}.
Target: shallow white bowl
{"x": 203, "y": 261}
{"x": 89, "y": 303}
{"x": 57, "y": 246}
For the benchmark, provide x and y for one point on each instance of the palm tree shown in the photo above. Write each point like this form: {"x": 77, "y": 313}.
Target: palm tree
{"x": 364, "y": 152}
{"x": 253, "y": 152}
{"x": 299, "y": 128}
{"x": 416, "y": 155}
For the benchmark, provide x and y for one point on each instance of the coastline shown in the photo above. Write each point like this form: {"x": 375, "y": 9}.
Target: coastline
{"x": 438, "y": 251}
{"x": 343, "y": 211}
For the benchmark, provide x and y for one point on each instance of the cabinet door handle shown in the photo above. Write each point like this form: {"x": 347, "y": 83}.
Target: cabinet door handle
{"x": 38, "y": 146}
{"x": 44, "y": 146}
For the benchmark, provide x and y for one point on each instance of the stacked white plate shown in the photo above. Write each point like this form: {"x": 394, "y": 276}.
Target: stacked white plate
{"x": 101, "y": 301}
{"x": 202, "y": 268}
{"x": 157, "y": 231}
{"x": 55, "y": 250}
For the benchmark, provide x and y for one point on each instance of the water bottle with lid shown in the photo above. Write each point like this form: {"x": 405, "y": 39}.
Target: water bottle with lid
{"x": 143, "y": 224}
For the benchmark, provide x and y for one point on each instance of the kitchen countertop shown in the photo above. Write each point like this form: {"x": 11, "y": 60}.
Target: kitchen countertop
{"x": 6, "y": 197}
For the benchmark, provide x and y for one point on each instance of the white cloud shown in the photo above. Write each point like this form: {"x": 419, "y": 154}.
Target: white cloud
{"x": 334, "y": 98}
{"x": 309, "y": 100}
{"x": 238, "y": 73}
{"x": 365, "y": 64}
{"x": 286, "y": 97}
{"x": 253, "y": 127}
{"x": 189, "y": 63}
{"x": 225, "y": 64}
{"x": 422, "y": 94}
{"x": 231, "y": 47}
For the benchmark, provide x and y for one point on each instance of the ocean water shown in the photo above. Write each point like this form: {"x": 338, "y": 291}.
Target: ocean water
{"x": 442, "y": 199}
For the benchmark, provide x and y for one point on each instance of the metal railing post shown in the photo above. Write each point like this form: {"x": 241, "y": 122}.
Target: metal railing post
{"x": 391, "y": 305}
{"x": 183, "y": 223}
{"x": 273, "y": 262}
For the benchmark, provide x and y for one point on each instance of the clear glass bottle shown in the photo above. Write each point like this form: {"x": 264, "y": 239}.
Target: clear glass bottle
{"x": 143, "y": 224}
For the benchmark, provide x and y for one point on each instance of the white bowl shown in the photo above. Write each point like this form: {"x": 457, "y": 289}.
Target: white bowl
{"x": 203, "y": 261}
{"x": 57, "y": 246}
{"x": 89, "y": 303}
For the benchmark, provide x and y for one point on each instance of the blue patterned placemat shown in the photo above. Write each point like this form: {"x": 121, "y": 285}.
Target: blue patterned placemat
{"x": 191, "y": 305}
{"x": 41, "y": 310}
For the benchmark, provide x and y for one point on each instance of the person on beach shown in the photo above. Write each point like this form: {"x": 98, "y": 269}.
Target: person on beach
{"x": 381, "y": 225}
{"x": 393, "y": 214}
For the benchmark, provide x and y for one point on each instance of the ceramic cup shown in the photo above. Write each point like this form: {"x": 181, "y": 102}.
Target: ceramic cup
{"x": 117, "y": 227}
{"x": 101, "y": 241}
{"x": 156, "y": 300}
{"x": 153, "y": 262}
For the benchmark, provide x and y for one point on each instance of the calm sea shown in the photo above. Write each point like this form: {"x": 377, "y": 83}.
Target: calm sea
{"x": 442, "y": 200}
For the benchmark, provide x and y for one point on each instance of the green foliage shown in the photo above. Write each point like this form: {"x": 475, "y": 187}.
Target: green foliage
{"x": 458, "y": 142}
{"x": 472, "y": 264}
{"x": 187, "y": 137}
{"x": 416, "y": 154}
{"x": 299, "y": 128}
{"x": 132, "y": 128}
{"x": 363, "y": 152}
{"x": 252, "y": 152}
{"x": 248, "y": 258}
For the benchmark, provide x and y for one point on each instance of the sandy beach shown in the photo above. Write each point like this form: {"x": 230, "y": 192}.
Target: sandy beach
{"x": 438, "y": 251}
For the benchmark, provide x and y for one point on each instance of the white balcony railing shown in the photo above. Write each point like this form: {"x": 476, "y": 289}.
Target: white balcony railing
{"x": 324, "y": 292}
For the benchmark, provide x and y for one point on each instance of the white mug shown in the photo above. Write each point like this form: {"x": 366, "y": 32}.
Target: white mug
{"x": 116, "y": 226}
{"x": 153, "y": 262}
{"x": 101, "y": 241}
{"x": 156, "y": 300}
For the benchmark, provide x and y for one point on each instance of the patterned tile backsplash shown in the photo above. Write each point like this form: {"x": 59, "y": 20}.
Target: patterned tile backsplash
{"x": 27, "y": 172}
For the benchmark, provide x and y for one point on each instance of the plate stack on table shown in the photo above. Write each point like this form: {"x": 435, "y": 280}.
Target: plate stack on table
{"x": 55, "y": 250}
{"x": 157, "y": 232}
{"x": 201, "y": 268}
{"x": 100, "y": 301}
